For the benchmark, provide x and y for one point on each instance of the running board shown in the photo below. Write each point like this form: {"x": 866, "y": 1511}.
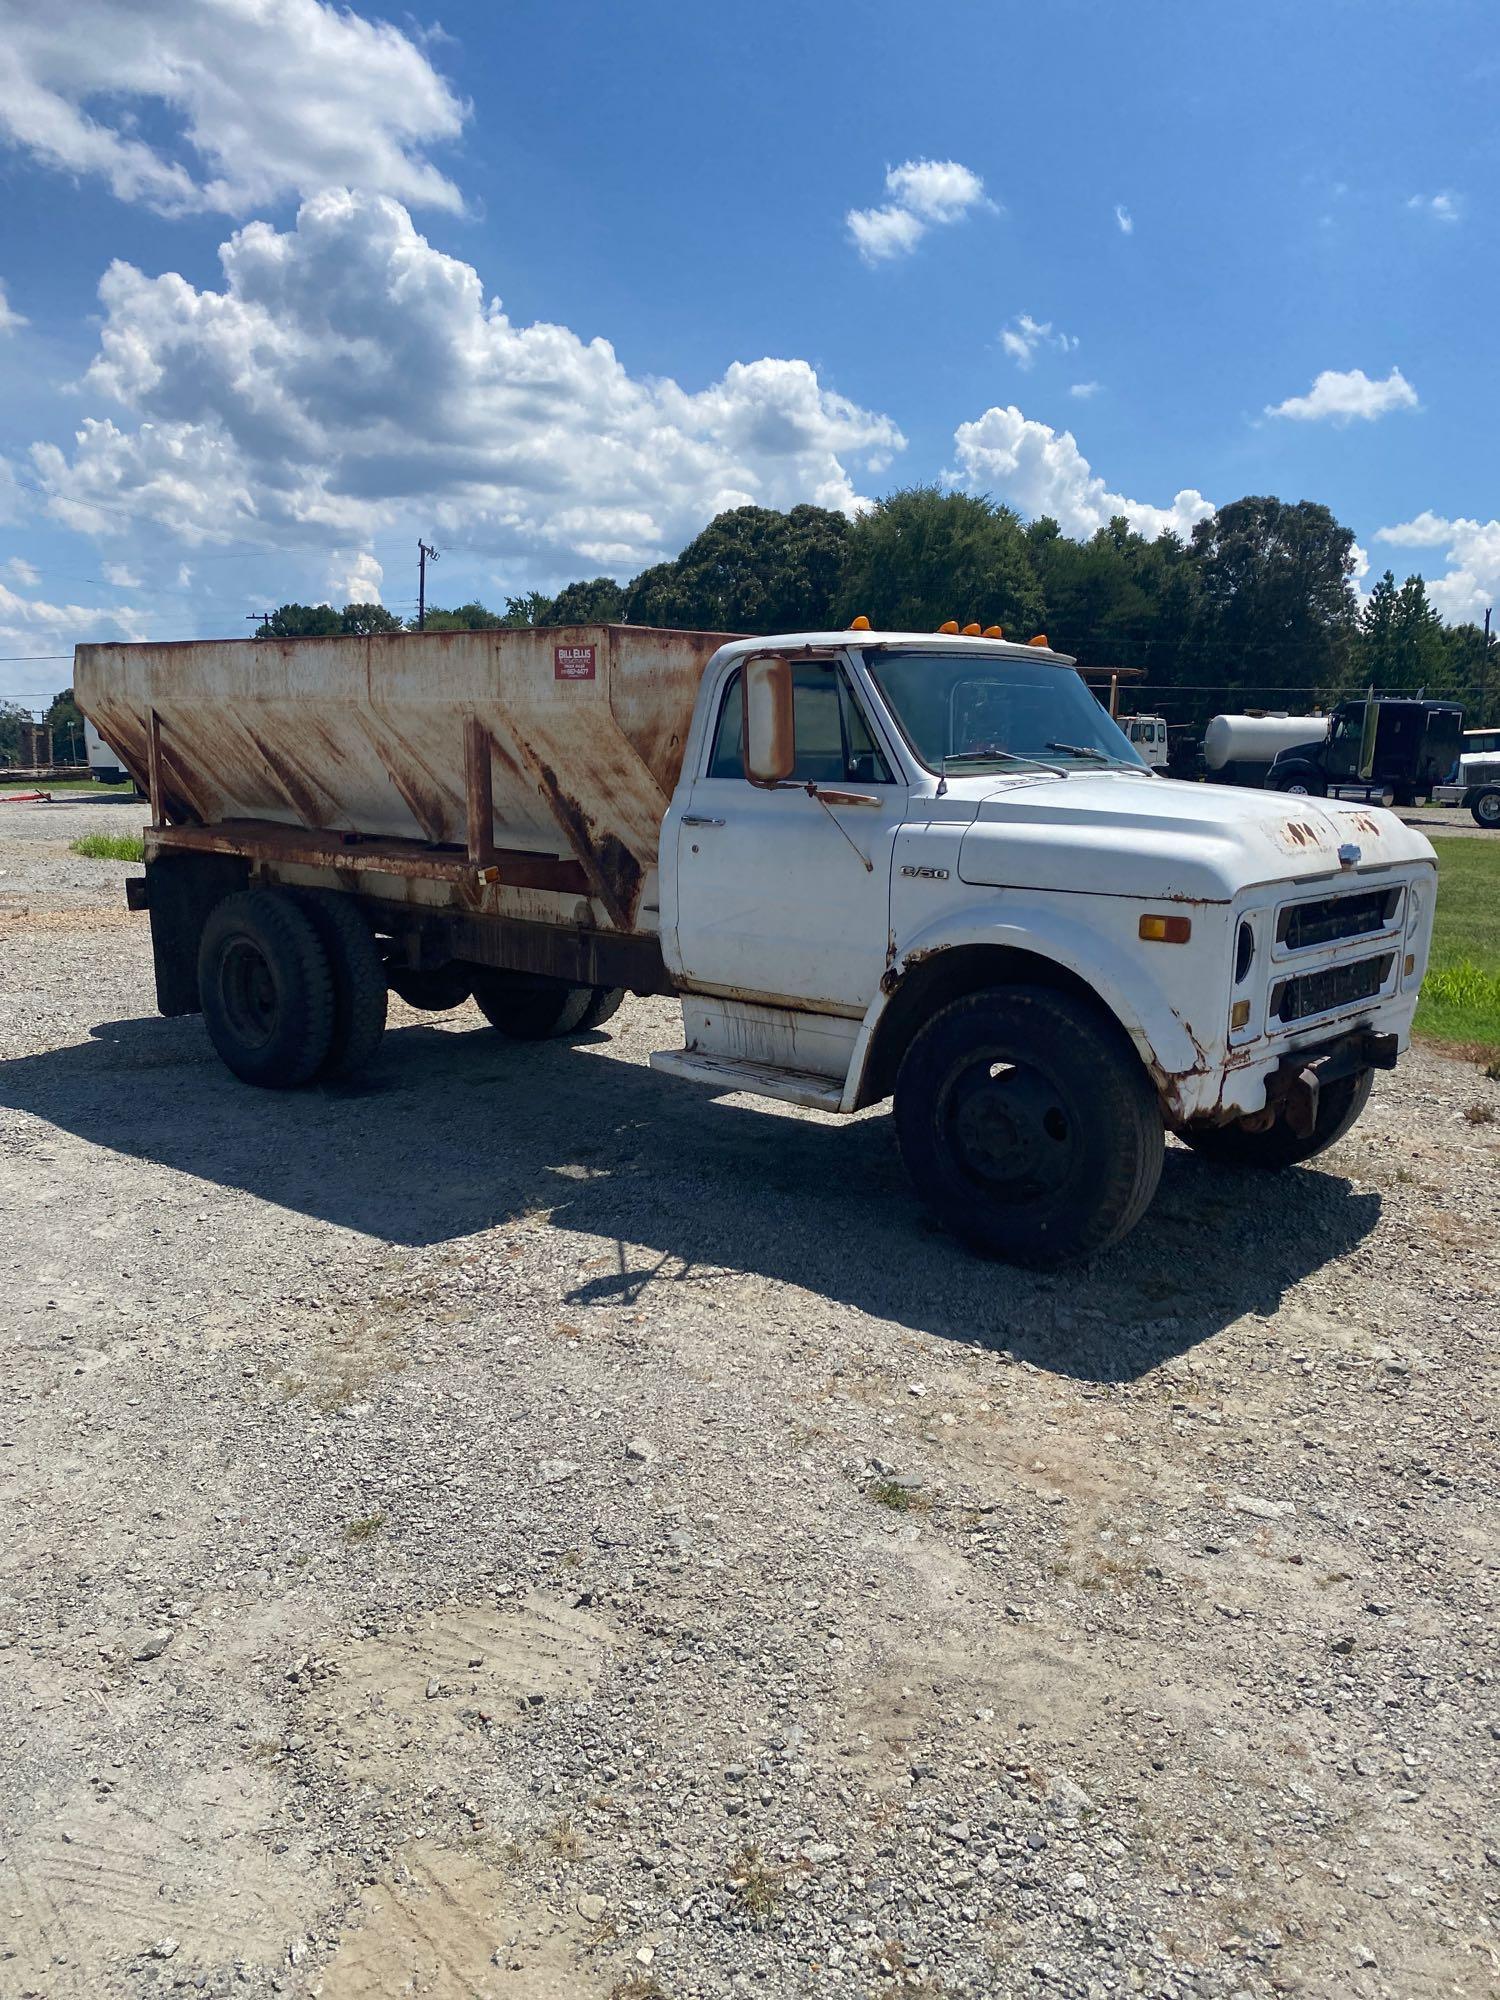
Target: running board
{"x": 759, "y": 1079}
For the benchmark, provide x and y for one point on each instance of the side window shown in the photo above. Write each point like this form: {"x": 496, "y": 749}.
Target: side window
{"x": 833, "y": 739}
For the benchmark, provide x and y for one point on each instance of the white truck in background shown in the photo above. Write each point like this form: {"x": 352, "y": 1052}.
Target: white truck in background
{"x": 868, "y": 864}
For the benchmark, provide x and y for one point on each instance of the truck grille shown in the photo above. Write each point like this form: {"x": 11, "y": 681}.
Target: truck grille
{"x": 1335, "y": 986}
{"x": 1299, "y": 926}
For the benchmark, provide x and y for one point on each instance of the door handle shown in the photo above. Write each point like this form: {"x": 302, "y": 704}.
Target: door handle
{"x": 699, "y": 819}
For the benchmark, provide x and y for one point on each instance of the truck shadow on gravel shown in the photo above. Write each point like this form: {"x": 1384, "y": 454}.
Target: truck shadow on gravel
{"x": 455, "y": 1133}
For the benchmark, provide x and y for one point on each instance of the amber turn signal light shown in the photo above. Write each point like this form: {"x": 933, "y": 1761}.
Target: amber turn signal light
{"x": 1239, "y": 1014}
{"x": 1166, "y": 930}
{"x": 859, "y": 624}
{"x": 1039, "y": 640}
{"x": 1410, "y": 966}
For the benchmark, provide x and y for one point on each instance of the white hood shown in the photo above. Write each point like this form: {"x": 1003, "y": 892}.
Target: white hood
{"x": 1117, "y": 833}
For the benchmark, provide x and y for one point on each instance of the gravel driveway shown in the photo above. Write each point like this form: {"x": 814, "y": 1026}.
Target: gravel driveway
{"x": 517, "y": 1526}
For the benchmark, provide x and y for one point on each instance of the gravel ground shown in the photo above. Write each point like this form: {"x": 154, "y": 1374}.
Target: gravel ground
{"x": 520, "y": 1527}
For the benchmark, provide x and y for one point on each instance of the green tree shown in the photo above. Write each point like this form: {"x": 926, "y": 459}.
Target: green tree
{"x": 471, "y": 617}
{"x": 751, "y": 570}
{"x": 532, "y": 609}
{"x": 300, "y": 621}
{"x": 1419, "y": 652}
{"x": 923, "y": 556}
{"x": 12, "y": 715}
{"x": 364, "y": 619}
{"x": 65, "y": 719}
{"x": 1377, "y": 632}
{"x": 599, "y": 602}
{"x": 1278, "y": 606}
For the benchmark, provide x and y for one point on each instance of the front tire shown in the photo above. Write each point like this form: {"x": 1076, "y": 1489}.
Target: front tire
{"x": 1339, "y": 1105}
{"x": 1028, "y": 1125}
{"x": 1485, "y": 811}
{"x": 266, "y": 989}
{"x": 1301, "y": 783}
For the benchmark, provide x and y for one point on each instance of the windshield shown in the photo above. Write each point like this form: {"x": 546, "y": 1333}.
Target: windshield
{"x": 966, "y": 712}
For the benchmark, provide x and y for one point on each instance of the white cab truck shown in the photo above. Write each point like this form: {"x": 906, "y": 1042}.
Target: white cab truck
{"x": 869, "y": 864}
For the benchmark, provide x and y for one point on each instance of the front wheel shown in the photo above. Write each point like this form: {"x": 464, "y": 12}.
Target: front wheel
{"x": 1486, "y": 810}
{"x": 1300, "y": 784}
{"x": 1339, "y": 1105}
{"x": 1028, "y": 1125}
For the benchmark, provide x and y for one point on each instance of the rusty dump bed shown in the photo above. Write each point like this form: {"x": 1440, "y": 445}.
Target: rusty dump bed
{"x": 524, "y": 769}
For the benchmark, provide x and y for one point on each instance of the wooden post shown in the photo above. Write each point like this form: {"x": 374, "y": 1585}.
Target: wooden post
{"x": 153, "y": 768}
{"x": 479, "y": 791}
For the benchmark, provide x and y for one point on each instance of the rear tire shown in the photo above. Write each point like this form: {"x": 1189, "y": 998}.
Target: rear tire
{"x": 604, "y": 1006}
{"x": 1485, "y": 810}
{"x": 359, "y": 989}
{"x": 1339, "y": 1105}
{"x": 527, "y": 1011}
{"x": 431, "y": 989}
{"x": 266, "y": 988}
{"x": 1028, "y": 1125}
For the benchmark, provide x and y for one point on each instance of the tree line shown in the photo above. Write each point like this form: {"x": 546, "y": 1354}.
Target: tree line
{"x": 1257, "y": 608}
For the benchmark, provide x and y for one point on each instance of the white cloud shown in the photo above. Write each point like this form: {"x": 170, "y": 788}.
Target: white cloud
{"x": 924, "y": 194}
{"x": 10, "y": 319}
{"x": 266, "y": 97}
{"x": 1124, "y": 219}
{"x": 354, "y": 579}
{"x": 349, "y": 377}
{"x": 121, "y": 577}
{"x": 12, "y": 500}
{"x": 184, "y": 576}
{"x": 1472, "y": 550}
{"x": 1025, "y": 335}
{"x": 1042, "y": 471}
{"x": 31, "y": 626}
{"x": 1441, "y": 207}
{"x": 1339, "y": 397}
{"x": 25, "y": 573}
{"x": 1083, "y": 390}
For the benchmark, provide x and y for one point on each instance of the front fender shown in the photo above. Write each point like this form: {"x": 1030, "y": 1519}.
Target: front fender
{"x": 1143, "y": 1005}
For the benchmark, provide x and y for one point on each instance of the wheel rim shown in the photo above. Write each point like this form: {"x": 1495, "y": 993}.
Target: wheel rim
{"x": 247, "y": 992}
{"x": 1010, "y": 1130}
{"x": 1489, "y": 811}
{"x": 1298, "y": 790}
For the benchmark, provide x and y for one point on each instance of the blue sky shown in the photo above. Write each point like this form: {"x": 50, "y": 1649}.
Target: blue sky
{"x": 1083, "y": 257}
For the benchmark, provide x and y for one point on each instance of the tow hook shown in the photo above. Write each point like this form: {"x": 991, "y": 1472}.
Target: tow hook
{"x": 1292, "y": 1092}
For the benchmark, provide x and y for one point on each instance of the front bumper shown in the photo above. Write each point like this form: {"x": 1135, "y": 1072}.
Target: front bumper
{"x": 1293, "y": 1087}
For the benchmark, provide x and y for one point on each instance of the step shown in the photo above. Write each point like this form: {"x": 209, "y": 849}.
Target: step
{"x": 759, "y": 1079}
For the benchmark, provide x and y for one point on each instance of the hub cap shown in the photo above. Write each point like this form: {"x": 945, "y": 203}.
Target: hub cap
{"x": 1009, "y": 1130}
{"x": 248, "y": 992}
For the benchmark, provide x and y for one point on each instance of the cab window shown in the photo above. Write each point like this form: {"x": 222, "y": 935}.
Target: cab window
{"x": 833, "y": 741}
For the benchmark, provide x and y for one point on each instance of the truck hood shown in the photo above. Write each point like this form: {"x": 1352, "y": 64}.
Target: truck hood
{"x": 1118, "y": 834}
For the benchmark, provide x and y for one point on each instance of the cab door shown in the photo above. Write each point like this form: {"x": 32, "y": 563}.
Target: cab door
{"x": 781, "y": 896}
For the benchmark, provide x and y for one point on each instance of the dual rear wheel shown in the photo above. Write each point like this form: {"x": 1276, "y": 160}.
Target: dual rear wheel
{"x": 294, "y": 990}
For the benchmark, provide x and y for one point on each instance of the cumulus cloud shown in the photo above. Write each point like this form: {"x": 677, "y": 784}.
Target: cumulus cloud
{"x": 348, "y": 377}
{"x": 1472, "y": 551}
{"x": 121, "y": 576}
{"x": 10, "y": 319}
{"x": 354, "y": 578}
{"x": 266, "y": 98}
{"x": 25, "y": 573}
{"x": 925, "y": 194}
{"x": 1124, "y": 220}
{"x": 33, "y": 625}
{"x": 1083, "y": 390}
{"x": 1440, "y": 207}
{"x": 1339, "y": 397}
{"x": 1041, "y": 471}
{"x": 1025, "y": 335}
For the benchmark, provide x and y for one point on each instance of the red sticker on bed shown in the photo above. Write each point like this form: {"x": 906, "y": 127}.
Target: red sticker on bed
{"x": 573, "y": 663}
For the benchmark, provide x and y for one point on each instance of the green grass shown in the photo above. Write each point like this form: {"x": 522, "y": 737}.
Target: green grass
{"x": 110, "y": 847}
{"x": 1461, "y": 993}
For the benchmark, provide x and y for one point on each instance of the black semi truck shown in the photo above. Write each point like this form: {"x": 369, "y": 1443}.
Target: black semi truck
{"x": 1375, "y": 749}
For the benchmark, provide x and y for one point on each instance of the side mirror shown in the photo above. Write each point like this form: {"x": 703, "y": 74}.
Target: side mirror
{"x": 770, "y": 750}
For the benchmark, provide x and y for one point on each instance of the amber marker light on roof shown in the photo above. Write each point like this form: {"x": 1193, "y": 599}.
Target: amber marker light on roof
{"x": 971, "y": 631}
{"x": 949, "y": 625}
{"x": 1166, "y": 930}
{"x": 994, "y": 631}
{"x": 859, "y": 624}
{"x": 1039, "y": 640}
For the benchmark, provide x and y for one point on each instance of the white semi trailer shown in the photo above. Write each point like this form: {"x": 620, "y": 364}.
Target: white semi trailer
{"x": 869, "y": 864}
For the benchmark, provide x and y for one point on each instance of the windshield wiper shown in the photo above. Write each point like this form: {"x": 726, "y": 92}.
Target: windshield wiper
{"x": 1082, "y": 750}
{"x": 999, "y": 757}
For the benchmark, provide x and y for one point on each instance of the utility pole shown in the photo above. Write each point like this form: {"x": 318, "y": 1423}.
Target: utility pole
{"x": 1484, "y": 673}
{"x": 259, "y": 617}
{"x": 425, "y": 555}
